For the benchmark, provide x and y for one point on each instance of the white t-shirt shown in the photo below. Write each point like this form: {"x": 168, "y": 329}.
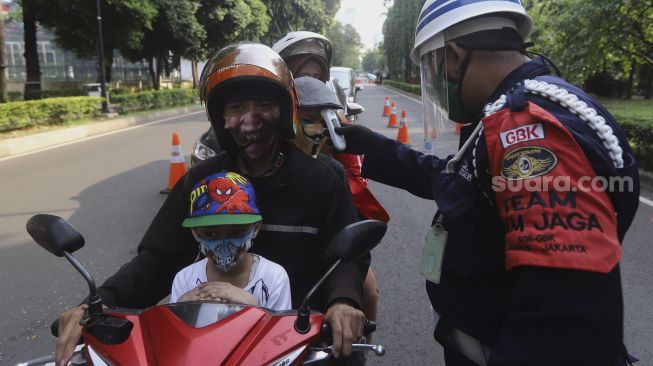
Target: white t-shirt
{"x": 269, "y": 285}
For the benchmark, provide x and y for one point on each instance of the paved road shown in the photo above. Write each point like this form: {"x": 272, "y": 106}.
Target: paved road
{"x": 108, "y": 188}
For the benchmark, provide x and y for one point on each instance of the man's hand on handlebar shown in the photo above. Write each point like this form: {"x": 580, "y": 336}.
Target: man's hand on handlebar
{"x": 70, "y": 332}
{"x": 347, "y": 326}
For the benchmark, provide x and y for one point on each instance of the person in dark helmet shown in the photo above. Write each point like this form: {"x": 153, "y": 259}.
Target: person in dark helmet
{"x": 250, "y": 100}
{"x": 310, "y": 54}
{"x": 517, "y": 273}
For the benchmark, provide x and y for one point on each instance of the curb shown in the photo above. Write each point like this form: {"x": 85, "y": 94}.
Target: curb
{"x": 28, "y": 143}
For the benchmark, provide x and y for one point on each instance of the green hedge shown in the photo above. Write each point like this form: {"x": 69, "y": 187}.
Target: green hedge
{"x": 411, "y": 88}
{"x": 640, "y": 136}
{"x": 51, "y": 93}
{"x": 153, "y": 99}
{"x": 52, "y": 111}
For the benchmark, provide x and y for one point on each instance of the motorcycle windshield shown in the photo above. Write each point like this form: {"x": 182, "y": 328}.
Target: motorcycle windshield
{"x": 202, "y": 314}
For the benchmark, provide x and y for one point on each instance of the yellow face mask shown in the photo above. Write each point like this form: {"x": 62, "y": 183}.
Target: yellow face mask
{"x": 311, "y": 132}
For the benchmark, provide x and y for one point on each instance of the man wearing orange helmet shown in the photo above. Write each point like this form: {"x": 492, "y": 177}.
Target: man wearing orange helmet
{"x": 250, "y": 99}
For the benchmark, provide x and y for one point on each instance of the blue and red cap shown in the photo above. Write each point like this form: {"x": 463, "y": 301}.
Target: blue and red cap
{"x": 225, "y": 198}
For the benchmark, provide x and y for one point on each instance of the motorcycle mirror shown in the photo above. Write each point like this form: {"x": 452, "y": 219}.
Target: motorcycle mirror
{"x": 354, "y": 109}
{"x": 58, "y": 237}
{"x": 54, "y": 234}
{"x": 356, "y": 239}
{"x": 352, "y": 242}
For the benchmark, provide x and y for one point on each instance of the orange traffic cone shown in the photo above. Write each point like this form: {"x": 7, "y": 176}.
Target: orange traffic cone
{"x": 386, "y": 107}
{"x": 402, "y": 134}
{"x": 177, "y": 164}
{"x": 392, "y": 120}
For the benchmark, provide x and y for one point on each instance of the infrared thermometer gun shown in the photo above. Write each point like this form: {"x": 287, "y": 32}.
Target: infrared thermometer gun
{"x": 331, "y": 119}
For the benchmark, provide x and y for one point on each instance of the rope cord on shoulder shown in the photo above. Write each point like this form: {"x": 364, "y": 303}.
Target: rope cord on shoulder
{"x": 575, "y": 106}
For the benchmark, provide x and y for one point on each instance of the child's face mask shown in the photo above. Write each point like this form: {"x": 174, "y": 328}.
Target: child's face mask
{"x": 223, "y": 253}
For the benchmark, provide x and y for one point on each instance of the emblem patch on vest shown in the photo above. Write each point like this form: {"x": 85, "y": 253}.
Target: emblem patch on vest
{"x": 528, "y": 162}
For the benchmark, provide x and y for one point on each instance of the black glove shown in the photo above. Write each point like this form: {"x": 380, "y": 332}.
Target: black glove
{"x": 357, "y": 138}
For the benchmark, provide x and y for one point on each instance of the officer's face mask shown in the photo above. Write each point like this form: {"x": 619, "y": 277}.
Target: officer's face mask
{"x": 224, "y": 252}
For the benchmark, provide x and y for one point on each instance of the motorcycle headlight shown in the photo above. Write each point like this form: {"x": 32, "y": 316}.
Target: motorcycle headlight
{"x": 202, "y": 152}
{"x": 289, "y": 358}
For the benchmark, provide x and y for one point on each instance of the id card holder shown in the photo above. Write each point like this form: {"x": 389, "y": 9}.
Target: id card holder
{"x": 435, "y": 241}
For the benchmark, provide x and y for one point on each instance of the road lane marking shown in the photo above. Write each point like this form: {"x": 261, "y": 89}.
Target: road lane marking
{"x": 403, "y": 95}
{"x": 97, "y": 136}
{"x": 645, "y": 201}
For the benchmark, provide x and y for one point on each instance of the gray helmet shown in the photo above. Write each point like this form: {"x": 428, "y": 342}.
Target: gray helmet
{"x": 312, "y": 92}
{"x": 304, "y": 43}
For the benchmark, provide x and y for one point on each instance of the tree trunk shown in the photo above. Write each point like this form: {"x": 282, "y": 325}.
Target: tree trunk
{"x": 32, "y": 68}
{"x": 193, "y": 68}
{"x": 153, "y": 74}
{"x": 159, "y": 72}
{"x": 3, "y": 62}
{"x": 648, "y": 80}
{"x": 108, "y": 63}
{"x": 631, "y": 80}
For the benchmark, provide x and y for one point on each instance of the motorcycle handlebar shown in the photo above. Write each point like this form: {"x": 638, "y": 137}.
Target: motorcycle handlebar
{"x": 369, "y": 327}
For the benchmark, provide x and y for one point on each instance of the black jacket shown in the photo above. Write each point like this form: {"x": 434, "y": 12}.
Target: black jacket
{"x": 303, "y": 205}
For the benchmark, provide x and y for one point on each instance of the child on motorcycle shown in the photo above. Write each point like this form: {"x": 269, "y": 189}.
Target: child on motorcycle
{"x": 224, "y": 219}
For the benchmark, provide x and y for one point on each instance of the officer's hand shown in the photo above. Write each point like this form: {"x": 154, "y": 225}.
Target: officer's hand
{"x": 347, "y": 325}
{"x": 357, "y": 137}
{"x": 70, "y": 333}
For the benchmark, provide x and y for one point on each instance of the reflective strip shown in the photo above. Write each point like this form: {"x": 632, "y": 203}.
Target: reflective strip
{"x": 176, "y": 156}
{"x": 290, "y": 229}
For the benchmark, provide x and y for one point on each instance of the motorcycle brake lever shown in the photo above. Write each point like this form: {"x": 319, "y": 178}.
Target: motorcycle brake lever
{"x": 378, "y": 349}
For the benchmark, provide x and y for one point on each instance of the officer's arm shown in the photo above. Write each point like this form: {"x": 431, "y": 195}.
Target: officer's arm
{"x": 394, "y": 164}
{"x": 562, "y": 250}
{"x": 164, "y": 250}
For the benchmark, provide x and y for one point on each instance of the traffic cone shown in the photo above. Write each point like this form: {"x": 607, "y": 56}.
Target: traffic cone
{"x": 177, "y": 164}
{"x": 386, "y": 107}
{"x": 459, "y": 126}
{"x": 392, "y": 120}
{"x": 402, "y": 134}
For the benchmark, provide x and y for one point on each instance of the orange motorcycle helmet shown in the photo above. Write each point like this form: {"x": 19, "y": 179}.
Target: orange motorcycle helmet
{"x": 247, "y": 66}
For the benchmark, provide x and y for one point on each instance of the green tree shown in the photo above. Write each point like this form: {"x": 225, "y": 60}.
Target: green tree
{"x": 228, "y": 21}
{"x": 295, "y": 15}
{"x": 586, "y": 38}
{"x": 73, "y": 22}
{"x": 399, "y": 37}
{"x": 347, "y": 45}
{"x": 175, "y": 33}
{"x": 373, "y": 61}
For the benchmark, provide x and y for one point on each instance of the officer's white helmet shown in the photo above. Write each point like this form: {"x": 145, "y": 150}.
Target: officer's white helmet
{"x": 443, "y": 20}
{"x": 303, "y": 43}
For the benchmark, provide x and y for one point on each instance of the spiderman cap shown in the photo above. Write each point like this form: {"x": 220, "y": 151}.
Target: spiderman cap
{"x": 225, "y": 198}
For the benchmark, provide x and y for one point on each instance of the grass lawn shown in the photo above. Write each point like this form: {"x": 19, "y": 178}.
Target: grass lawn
{"x": 635, "y": 110}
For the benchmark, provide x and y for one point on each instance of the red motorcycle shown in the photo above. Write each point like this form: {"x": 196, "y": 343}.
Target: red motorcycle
{"x": 200, "y": 332}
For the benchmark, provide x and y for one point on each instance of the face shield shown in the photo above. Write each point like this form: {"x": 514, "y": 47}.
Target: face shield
{"x": 435, "y": 95}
